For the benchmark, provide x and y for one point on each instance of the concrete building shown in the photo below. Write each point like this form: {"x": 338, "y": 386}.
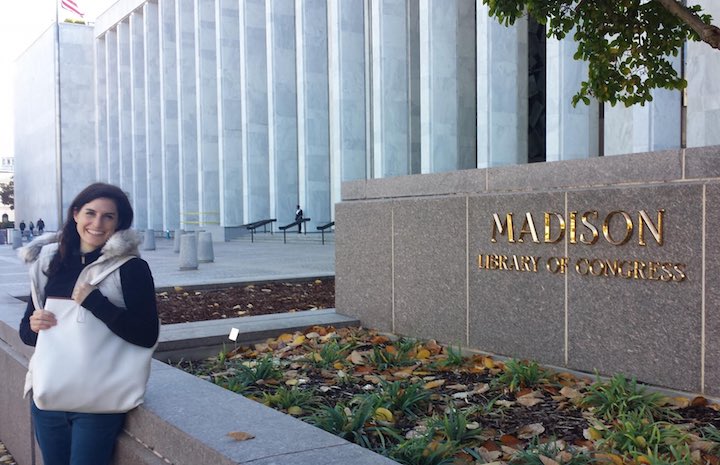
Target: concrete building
{"x": 217, "y": 113}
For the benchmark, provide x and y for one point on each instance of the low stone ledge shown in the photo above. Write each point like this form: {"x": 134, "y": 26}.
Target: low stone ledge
{"x": 204, "y": 338}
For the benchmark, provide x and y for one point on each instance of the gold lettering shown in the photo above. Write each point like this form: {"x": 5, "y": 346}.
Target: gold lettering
{"x": 528, "y": 227}
{"x": 493, "y": 262}
{"x": 680, "y": 270}
{"x": 535, "y": 261}
{"x": 586, "y": 222}
{"x": 639, "y": 270}
{"x": 652, "y": 269}
{"x": 655, "y": 230}
{"x": 667, "y": 272}
{"x": 548, "y": 227}
{"x": 501, "y": 228}
{"x": 580, "y": 269}
{"x": 503, "y": 262}
{"x": 628, "y": 227}
{"x": 573, "y": 227}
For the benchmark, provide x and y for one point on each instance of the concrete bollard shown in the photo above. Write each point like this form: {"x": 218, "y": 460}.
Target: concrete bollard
{"x": 149, "y": 242}
{"x": 188, "y": 252}
{"x": 17, "y": 239}
{"x": 176, "y": 243}
{"x": 205, "y": 248}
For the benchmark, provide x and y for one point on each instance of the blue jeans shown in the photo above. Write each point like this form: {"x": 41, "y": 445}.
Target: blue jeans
{"x": 68, "y": 438}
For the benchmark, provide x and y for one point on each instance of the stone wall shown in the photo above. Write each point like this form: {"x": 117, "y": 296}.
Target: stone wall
{"x": 415, "y": 255}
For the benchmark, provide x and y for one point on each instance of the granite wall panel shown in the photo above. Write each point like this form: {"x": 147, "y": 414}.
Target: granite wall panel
{"x": 515, "y": 311}
{"x": 712, "y": 290}
{"x": 642, "y": 322}
{"x": 363, "y": 262}
{"x": 430, "y": 272}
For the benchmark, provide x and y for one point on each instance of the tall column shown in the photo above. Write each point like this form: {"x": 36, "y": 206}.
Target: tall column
{"x": 390, "y": 88}
{"x": 124, "y": 84}
{"x": 169, "y": 115}
{"x": 137, "y": 99}
{"x": 254, "y": 110}
{"x": 187, "y": 109}
{"x": 207, "y": 110}
{"x": 703, "y": 93}
{"x": 502, "y": 82}
{"x": 112, "y": 175}
{"x": 229, "y": 124}
{"x": 447, "y": 85}
{"x": 572, "y": 132}
{"x": 153, "y": 116}
{"x": 101, "y": 97}
{"x": 312, "y": 82}
{"x": 346, "y": 110}
{"x": 282, "y": 109}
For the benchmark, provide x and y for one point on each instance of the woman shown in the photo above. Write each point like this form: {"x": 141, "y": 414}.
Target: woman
{"x": 96, "y": 230}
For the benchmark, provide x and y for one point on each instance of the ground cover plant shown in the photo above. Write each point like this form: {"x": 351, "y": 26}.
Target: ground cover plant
{"x": 421, "y": 403}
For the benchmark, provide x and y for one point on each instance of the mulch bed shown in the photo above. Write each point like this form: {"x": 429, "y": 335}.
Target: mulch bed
{"x": 182, "y": 306}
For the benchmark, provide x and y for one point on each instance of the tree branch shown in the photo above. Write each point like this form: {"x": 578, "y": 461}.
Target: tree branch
{"x": 708, "y": 33}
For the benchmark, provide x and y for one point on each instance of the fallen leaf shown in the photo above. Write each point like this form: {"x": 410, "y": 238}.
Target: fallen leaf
{"x": 705, "y": 446}
{"x": 698, "y": 402}
{"x": 383, "y": 414}
{"x": 510, "y": 440}
{"x": 529, "y": 401}
{"x": 285, "y": 337}
{"x": 457, "y": 387}
{"x": 356, "y": 358}
{"x": 434, "y": 384}
{"x": 240, "y": 435}
{"x": 423, "y": 354}
{"x": 592, "y": 434}
{"x": 610, "y": 458}
{"x": 298, "y": 340}
{"x": 295, "y": 410}
{"x": 488, "y": 363}
{"x": 489, "y": 455}
{"x": 505, "y": 403}
{"x": 681, "y": 402}
{"x": 547, "y": 460}
{"x": 530, "y": 431}
{"x": 570, "y": 393}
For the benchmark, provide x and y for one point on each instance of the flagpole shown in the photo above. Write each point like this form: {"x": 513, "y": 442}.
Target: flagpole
{"x": 58, "y": 121}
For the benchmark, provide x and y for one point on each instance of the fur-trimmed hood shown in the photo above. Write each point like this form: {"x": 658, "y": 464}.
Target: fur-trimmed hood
{"x": 120, "y": 244}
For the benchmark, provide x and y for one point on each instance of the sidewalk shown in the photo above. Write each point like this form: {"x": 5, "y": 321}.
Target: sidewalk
{"x": 236, "y": 261}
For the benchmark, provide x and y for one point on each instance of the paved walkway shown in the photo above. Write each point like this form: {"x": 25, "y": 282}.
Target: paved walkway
{"x": 236, "y": 261}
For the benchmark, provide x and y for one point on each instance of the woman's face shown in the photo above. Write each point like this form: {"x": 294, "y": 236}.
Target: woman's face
{"x": 96, "y": 222}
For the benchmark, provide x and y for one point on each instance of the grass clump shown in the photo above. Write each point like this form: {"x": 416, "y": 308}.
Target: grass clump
{"x": 620, "y": 396}
{"x": 519, "y": 374}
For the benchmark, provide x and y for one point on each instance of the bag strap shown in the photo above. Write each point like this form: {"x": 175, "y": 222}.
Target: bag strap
{"x": 111, "y": 268}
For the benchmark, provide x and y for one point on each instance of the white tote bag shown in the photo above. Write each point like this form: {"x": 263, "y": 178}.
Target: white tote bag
{"x": 79, "y": 365}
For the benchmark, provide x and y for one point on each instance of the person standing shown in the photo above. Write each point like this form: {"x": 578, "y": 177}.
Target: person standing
{"x": 31, "y": 227}
{"x": 299, "y": 217}
{"x": 40, "y": 226}
{"x": 22, "y": 228}
{"x": 95, "y": 234}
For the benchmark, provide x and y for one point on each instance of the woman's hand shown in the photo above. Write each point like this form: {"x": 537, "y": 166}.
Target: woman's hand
{"x": 42, "y": 319}
{"x": 81, "y": 292}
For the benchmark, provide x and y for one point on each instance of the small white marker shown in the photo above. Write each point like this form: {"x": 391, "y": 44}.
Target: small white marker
{"x": 234, "y": 334}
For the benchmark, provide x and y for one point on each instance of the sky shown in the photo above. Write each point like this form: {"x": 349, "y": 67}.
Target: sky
{"x": 21, "y": 23}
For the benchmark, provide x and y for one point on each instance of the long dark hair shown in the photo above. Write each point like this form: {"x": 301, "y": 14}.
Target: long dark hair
{"x": 69, "y": 237}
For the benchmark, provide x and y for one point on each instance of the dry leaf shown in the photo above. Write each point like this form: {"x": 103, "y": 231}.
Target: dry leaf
{"x": 295, "y": 410}
{"x": 510, "y": 440}
{"x": 705, "y": 446}
{"x": 489, "y": 455}
{"x": 529, "y": 401}
{"x": 530, "y": 431}
{"x": 592, "y": 434}
{"x": 698, "y": 402}
{"x": 423, "y": 354}
{"x": 356, "y": 358}
{"x": 570, "y": 393}
{"x": 505, "y": 403}
{"x": 240, "y": 435}
{"x": 547, "y": 460}
{"x": 434, "y": 384}
{"x": 298, "y": 340}
{"x": 609, "y": 458}
{"x": 285, "y": 337}
{"x": 383, "y": 414}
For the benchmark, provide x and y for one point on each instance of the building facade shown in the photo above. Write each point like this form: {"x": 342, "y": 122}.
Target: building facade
{"x": 217, "y": 113}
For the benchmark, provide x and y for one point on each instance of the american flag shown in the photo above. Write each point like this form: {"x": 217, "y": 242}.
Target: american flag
{"x": 70, "y": 5}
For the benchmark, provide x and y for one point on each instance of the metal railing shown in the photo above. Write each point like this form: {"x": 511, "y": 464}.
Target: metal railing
{"x": 323, "y": 227}
{"x": 299, "y": 222}
{"x": 253, "y": 226}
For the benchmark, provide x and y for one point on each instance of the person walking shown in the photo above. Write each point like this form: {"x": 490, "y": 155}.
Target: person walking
{"x": 299, "y": 217}
{"x": 22, "y": 228}
{"x": 40, "y": 226}
{"x": 96, "y": 237}
{"x": 31, "y": 227}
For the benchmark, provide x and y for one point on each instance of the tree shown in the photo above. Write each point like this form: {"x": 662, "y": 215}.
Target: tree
{"x": 626, "y": 43}
{"x": 7, "y": 194}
